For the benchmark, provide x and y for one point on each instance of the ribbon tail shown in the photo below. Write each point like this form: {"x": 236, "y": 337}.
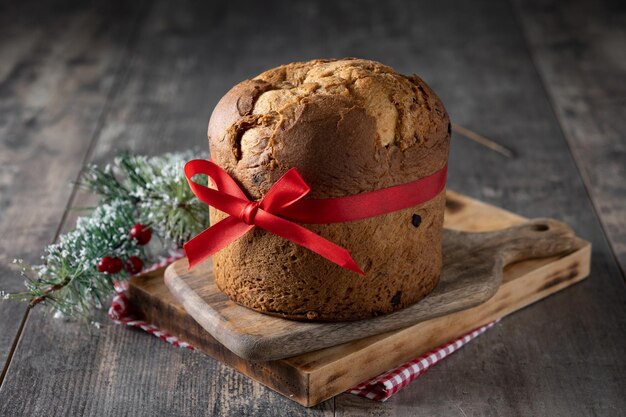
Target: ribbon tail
{"x": 308, "y": 239}
{"x": 214, "y": 238}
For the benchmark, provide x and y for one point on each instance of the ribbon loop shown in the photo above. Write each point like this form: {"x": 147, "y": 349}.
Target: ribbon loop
{"x": 243, "y": 214}
{"x": 286, "y": 192}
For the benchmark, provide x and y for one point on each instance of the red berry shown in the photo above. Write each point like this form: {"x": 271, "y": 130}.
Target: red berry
{"x": 103, "y": 264}
{"x": 115, "y": 266}
{"x": 134, "y": 265}
{"x": 141, "y": 234}
{"x": 110, "y": 265}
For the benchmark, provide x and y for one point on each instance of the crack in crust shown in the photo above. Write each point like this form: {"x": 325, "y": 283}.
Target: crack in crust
{"x": 401, "y": 105}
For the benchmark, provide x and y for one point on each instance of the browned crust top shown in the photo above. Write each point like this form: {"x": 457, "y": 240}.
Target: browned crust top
{"x": 348, "y": 125}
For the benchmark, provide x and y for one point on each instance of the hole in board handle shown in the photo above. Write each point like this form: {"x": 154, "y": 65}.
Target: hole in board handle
{"x": 540, "y": 227}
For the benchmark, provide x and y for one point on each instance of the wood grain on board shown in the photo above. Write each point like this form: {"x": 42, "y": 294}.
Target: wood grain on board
{"x": 539, "y": 266}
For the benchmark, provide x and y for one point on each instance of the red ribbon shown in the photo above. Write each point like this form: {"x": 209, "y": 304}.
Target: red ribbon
{"x": 284, "y": 204}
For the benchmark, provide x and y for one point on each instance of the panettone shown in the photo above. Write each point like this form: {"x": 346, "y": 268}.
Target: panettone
{"x": 349, "y": 126}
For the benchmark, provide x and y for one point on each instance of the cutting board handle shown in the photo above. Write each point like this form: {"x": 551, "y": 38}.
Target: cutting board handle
{"x": 537, "y": 238}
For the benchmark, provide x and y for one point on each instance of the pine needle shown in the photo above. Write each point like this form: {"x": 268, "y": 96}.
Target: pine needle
{"x": 151, "y": 191}
{"x": 491, "y": 144}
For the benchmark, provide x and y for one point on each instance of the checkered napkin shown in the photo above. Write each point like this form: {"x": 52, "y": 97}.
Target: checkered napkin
{"x": 383, "y": 386}
{"x": 120, "y": 313}
{"x": 379, "y": 388}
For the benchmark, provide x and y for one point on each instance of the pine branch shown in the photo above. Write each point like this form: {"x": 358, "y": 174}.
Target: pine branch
{"x": 151, "y": 191}
{"x": 159, "y": 189}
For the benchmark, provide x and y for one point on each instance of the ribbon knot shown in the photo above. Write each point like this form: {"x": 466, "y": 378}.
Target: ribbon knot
{"x": 244, "y": 215}
{"x": 248, "y": 212}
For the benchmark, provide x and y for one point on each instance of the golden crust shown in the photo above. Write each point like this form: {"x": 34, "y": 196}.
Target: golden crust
{"x": 349, "y": 126}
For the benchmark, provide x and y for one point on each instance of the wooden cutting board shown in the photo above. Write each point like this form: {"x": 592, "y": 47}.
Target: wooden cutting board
{"x": 473, "y": 264}
{"x": 313, "y": 377}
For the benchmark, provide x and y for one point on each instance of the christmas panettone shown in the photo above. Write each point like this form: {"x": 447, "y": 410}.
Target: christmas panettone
{"x": 349, "y": 127}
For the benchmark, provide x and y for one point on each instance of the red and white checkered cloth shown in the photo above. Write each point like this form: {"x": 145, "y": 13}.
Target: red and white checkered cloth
{"x": 379, "y": 388}
{"x": 383, "y": 386}
{"x": 120, "y": 311}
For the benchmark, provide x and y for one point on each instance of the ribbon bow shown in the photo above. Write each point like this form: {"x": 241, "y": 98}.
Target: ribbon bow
{"x": 244, "y": 215}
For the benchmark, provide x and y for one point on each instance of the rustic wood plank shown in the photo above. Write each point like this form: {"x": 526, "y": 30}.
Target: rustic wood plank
{"x": 580, "y": 50}
{"x": 526, "y": 365}
{"x": 163, "y": 104}
{"x": 474, "y": 56}
{"x": 57, "y": 68}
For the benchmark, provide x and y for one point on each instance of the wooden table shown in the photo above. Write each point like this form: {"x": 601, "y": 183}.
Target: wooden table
{"x": 80, "y": 81}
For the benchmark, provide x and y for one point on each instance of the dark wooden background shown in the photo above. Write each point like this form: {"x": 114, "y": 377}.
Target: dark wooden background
{"x": 81, "y": 80}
